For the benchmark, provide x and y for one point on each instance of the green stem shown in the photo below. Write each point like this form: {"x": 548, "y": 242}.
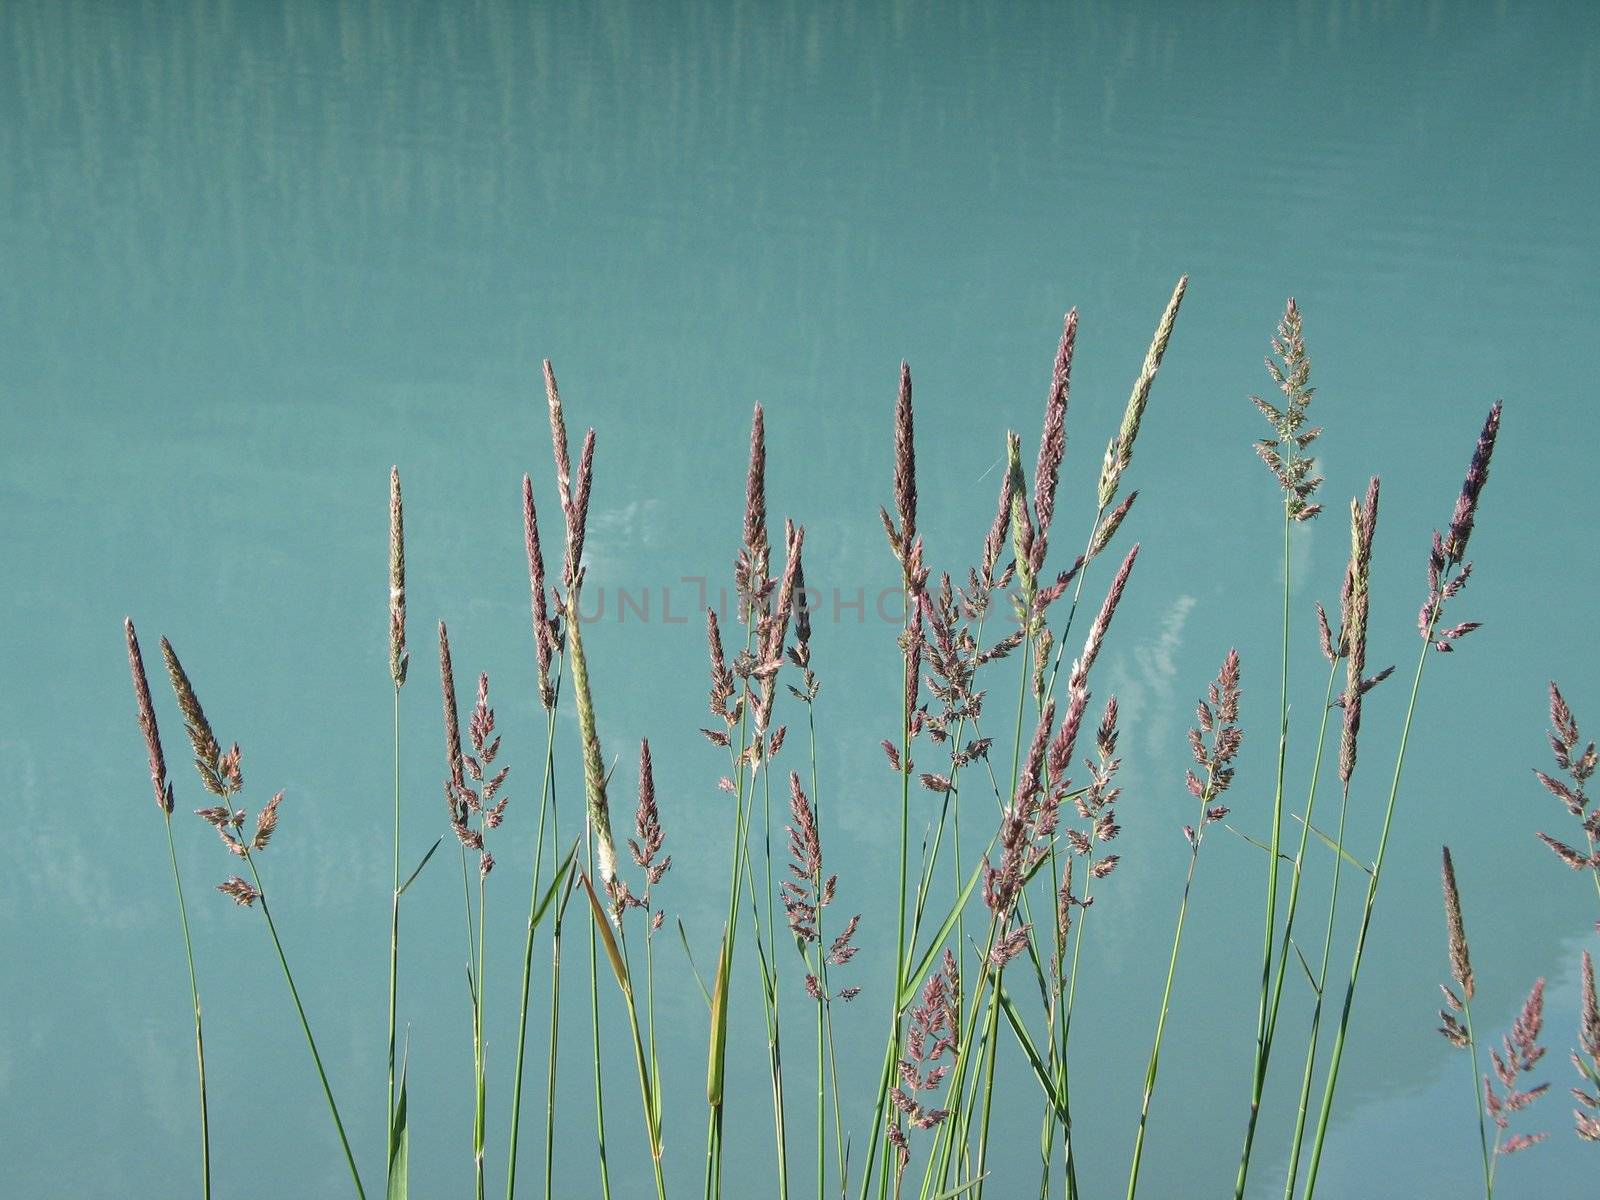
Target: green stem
{"x": 1477, "y": 1095}
{"x": 594, "y": 1017}
{"x": 199, "y": 1035}
{"x": 1366, "y": 922}
{"x": 480, "y": 1109}
{"x": 878, "y": 1131}
{"x": 646, "y": 1081}
{"x": 545, "y": 805}
{"x": 769, "y": 975}
{"x": 991, "y": 1029}
{"x": 394, "y": 935}
{"x": 1166, "y": 992}
{"x": 305, "y": 1025}
{"x": 1270, "y": 926}
{"x": 1286, "y": 945}
{"x": 713, "y": 1179}
{"x": 1302, "y": 1108}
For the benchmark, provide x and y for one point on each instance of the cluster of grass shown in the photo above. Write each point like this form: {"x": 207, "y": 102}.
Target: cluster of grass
{"x": 993, "y": 900}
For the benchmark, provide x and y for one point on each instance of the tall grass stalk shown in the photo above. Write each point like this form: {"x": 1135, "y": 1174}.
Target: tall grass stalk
{"x": 548, "y": 649}
{"x": 399, "y": 660}
{"x": 1284, "y": 455}
{"x": 220, "y": 772}
{"x": 1218, "y": 715}
{"x": 1460, "y": 1033}
{"x": 305, "y": 1026}
{"x": 1448, "y": 572}
{"x": 164, "y": 801}
{"x": 546, "y": 809}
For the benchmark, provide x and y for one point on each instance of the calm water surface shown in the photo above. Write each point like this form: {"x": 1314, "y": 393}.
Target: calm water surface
{"x": 255, "y": 253}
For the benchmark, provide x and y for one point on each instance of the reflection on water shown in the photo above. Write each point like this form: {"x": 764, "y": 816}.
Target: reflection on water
{"x": 256, "y": 253}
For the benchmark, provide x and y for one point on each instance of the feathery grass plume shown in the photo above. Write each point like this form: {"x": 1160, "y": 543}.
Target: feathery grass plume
{"x": 147, "y": 722}
{"x": 990, "y": 575}
{"x": 1519, "y": 1053}
{"x": 1449, "y": 550}
{"x": 772, "y": 628}
{"x": 1353, "y": 625}
{"x": 750, "y": 570}
{"x": 1053, "y": 438}
{"x": 932, "y": 1036}
{"x": 578, "y": 517}
{"x": 905, "y": 461}
{"x": 1586, "y": 1118}
{"x": 805, "y": 895}
{"x": 461, "y": 801}
{"x": 1109, "y": 526}
{"x": 1285, "y": 454}
{"x": 1120, "y": 452}
{"x": 219, "y": 771}
{"x": 544, "y": 628}
{"x": 1022, "y": 532}
{"x": 221, "y": 774}
{"x": 1460, "y": 960}
{"x": 558, "y": 441}
{"x": 1461, "y": 520}
{"x": 1216, "y": 718}
{"x": 594, "y": 770}
{"x": 649, "y": 836}
{"x": 903, "y": 539}
{"x": 1102, "y": 622}
{"x": 398, "y": 658}
{"x": 1458, "y": 1030}
{"x": 162, "y": 786}
{"x": 452, "y": 725}
{"x": 1572, "y": 792}
{"x": 480, "y": 800}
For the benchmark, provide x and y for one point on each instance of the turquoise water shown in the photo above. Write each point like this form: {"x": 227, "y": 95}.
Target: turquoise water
{"x": 254, "y": 254}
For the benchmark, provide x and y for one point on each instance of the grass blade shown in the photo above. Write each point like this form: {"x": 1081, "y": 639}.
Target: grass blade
{"x": 400, "y": 1143}
{"x": 908, "y": 992}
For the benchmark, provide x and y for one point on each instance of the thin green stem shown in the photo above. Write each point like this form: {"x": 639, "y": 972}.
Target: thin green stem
{"x": 394, "y": 937}
{"x": 305, "y": 1025}
{"x": 1270, "y": 925}
{"x": 769, "y": 975}
{"x": 714, "y": 1141}
{"x": 1373, "y": 879}
{"x": 647, "y": 1099}
{"x": 594, "y": 1018}
{"x": 480, "y": 1109}
{"x": 1308, "y": 1074}
{"x": 1166, "y": 991}
{"x": 199, "y": 1034}
{"x": 1477, "y": 1095}
{"x": 545, "y": 804}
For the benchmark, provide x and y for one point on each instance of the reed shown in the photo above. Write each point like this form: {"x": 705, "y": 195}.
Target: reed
{"x": 548, "y": 647}
{"x": 1458, "y": 1031}
{"x": 1448, "y": 572}
{"x": 162, "y": 786}
{"x": 1217, "y": 719}
{"x": 1285, "y": 455}
{"x": 399, "y": 661}
{"x": 221, "y": 774}
{"x": 1350, "y": 647}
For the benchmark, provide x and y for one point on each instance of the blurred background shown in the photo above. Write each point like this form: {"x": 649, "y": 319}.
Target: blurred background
{"x": 254, "y": 253}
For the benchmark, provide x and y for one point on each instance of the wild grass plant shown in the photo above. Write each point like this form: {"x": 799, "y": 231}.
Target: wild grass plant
{"x": 993, "y": 887}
